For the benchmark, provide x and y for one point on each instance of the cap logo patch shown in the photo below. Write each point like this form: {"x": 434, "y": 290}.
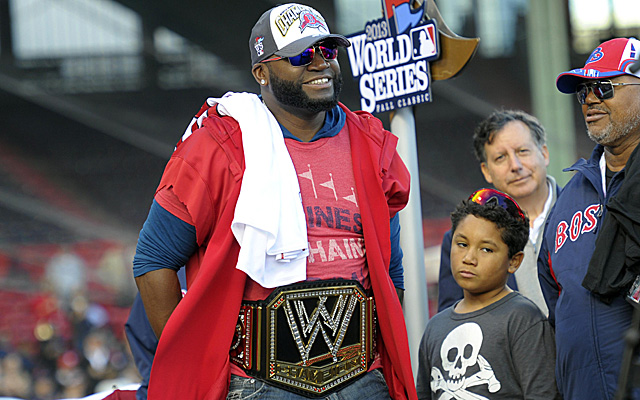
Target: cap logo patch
{"x": 259, "y": 46}
{"x": 595, "y": 56}
{"x": 307, "y": 18}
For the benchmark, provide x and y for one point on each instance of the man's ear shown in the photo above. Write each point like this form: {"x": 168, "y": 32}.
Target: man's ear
{"x": 485, "y": 172}
{"x": 545, "y": 153}
{"x": 515, "y": 261}
{"x": 260, "y": 73}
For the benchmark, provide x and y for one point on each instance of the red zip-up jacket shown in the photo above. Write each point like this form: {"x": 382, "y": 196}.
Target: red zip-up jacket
{"x": 205, "y": 172}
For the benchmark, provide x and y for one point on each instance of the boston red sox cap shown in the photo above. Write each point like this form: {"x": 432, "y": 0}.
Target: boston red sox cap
{"x": 287, "y": 30}
{"x": 610, "y": 59}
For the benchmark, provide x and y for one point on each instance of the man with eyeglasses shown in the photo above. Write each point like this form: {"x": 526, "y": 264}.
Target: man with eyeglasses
{"x": 283, "y": 207}
{"x": 583, "y": 272}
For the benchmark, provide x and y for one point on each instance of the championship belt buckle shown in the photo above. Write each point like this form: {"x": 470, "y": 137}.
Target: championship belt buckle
{"x": 327, "y": 327}
{"x": 316, "y": 337}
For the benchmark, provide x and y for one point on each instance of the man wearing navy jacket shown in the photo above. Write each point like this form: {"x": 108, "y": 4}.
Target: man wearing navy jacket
{"x": 586, "y": 300}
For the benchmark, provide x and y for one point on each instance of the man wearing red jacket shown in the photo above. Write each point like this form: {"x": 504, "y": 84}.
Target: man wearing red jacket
{"x": 283, "y": 209}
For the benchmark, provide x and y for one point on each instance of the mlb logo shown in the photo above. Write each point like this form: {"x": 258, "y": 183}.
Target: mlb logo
{"x": 424, "y": 42}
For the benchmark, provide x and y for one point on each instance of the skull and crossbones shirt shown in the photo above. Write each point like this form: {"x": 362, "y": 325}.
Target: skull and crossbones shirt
{"x": 503, "y": 351}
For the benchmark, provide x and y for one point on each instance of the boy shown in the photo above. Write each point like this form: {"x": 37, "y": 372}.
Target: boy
{"x": 494, "y": 343}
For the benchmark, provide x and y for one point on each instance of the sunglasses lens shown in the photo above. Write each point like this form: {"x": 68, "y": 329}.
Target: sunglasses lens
{"x": 306, "y": 57}
{"x": 603, "y": 90}
{"x": 329, "y": 53}
{"x": 303, "y": 58}
{"x": 583, "y": 91}
{"x": 492, "y": 196}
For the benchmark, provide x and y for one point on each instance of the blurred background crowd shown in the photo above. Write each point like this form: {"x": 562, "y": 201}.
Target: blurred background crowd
{"x": 62, "y": 321}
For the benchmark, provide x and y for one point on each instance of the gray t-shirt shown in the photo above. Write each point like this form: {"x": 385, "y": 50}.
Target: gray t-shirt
{"x": 503, "y": 351}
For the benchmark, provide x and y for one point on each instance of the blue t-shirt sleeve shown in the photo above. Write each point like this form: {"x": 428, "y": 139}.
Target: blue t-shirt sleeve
{"x": 165, "y": 241}
{"x": 396, "y": 270}
{"x": 142, "y": 342}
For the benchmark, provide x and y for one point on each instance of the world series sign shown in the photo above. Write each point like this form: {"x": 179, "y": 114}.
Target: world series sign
{"x": 390, "y": 58}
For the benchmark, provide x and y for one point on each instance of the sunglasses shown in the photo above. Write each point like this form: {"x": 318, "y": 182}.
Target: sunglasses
{"x": 603, "y": 90}
{"x": 492, "y": 196}
{"x": 329, "y": 52}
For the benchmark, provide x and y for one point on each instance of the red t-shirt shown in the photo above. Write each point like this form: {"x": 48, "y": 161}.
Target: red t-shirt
{"x": 334, "y": 230}
{"x": 330, "y": 201}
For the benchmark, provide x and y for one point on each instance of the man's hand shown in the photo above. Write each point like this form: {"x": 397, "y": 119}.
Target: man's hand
{"x": 160, "y": 292}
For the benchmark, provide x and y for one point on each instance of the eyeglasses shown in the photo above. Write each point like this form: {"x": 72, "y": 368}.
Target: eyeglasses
{"x": 306, "y": 57}
{"x": 487, "y": 196}
{"x": 603, "y": 90}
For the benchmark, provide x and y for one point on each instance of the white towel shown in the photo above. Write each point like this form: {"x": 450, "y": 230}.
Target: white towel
{"x": 269, "y": 221}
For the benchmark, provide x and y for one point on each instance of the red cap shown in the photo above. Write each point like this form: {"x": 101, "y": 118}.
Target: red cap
{"x": 612, "y": 58}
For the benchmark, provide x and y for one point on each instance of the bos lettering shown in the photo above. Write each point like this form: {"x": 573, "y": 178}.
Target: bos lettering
{"x": 581, "y": 222}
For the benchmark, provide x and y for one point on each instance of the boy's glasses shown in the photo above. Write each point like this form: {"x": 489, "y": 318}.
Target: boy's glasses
{"x": 305, "y": 58}
{"x": 492, "y": 196}
{"x": 603, "y": 90}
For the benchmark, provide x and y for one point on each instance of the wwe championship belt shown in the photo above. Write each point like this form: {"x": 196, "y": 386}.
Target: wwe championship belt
{"x": 311, "y": 338}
